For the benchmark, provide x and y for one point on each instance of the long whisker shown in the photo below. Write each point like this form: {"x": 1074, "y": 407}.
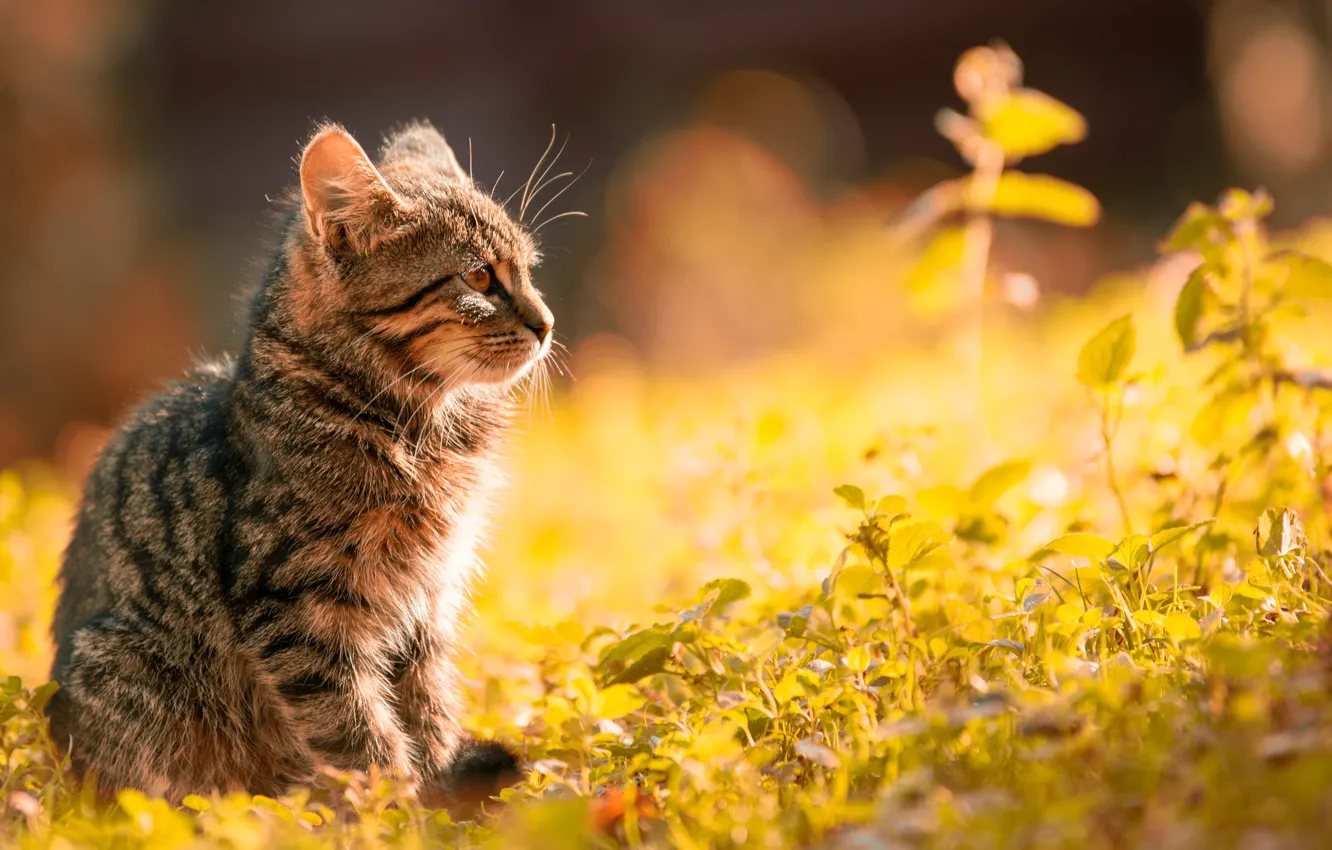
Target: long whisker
{"x": 535, "y": 168}
{"x": 556, "y": 196}
{"x": 386, "y": 388}
{"x": 555, "y": 218}
{"x": 527, "y": 198}
{"x": 496, "y": 185}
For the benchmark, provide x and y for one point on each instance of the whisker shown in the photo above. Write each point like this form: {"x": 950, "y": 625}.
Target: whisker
{"x": 556, "y": 196}
{"x": 555, "y": 218}
{"x": 528, "y": 182}
{"x": 527, "y": 198}
{"x": 386, "y": 388}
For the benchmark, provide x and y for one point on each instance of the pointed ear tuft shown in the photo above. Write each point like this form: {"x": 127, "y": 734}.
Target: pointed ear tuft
{"x": 347, "y": 203}
{"x": 420, "y": 144}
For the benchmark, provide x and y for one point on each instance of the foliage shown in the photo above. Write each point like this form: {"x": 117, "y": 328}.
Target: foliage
{"x": 1036, "y": 649}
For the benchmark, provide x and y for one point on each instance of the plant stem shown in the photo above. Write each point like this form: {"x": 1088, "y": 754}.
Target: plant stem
{"x": 1108, "y": 432}
{"x": 901, "y": 598}
{"x": 977, "y": 239}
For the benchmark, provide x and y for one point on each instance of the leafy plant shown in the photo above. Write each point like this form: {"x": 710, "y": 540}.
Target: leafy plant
{"x": 1044, "y": 653}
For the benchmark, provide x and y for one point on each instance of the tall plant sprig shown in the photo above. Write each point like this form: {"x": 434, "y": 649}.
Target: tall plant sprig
{"x": 1004, "y": 124}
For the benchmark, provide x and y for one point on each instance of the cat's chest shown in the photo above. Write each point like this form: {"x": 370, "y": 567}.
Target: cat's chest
{"x": 395, "y": 571}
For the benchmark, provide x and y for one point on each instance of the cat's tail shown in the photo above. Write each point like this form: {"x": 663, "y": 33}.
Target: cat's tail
{"x": 479, "y": 771}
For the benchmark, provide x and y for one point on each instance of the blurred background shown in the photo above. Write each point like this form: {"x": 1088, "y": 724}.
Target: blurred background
{"x": 738, "y": 161}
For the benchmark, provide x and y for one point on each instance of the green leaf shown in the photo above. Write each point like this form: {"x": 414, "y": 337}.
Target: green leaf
{"x": 1306, "y": 276}
{"x": 1150, "y": 618}
{"x": 617, "y": 701}
{"x": 1180, "y": 627}
{"x": 638, "y": 644}
{"x": 912, "y": 541}
{"x": 1189, "y": 308}
{"x": 1002, "y": 643}
{"x": 852, "y": 495}
{"x": 197, "y": 803}
{"x": 858, "y": 579}
{"x": 1107, "y": 355}
{"x": 1082, "y": 544}
{"x": 41, "y": 695}
{"x": 727, "y": 590}
{"x": 891, "y": 506}
{"x": 1239, "y": 205}
{"x": 653, "y": 662}
{"x": 1279, "y": 533}
{"x": 1166, "y": 536}
{"x": 1034, "y": 599}
{"x": 1029, "y": 123}
{"x": 998, "y": 480}
{"x": 787, "y": 689}
{"x": 1198, "y": 229}
{"x": 1041, "y": 196}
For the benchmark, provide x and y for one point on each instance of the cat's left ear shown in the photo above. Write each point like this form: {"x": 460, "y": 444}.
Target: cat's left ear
{"x": 420, "y": 144}
{"x": 347, "y": 203}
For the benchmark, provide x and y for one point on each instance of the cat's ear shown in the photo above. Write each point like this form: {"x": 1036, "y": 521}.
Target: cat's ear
{"x": 347, "y": 203}
{"x": 421, "y": 144}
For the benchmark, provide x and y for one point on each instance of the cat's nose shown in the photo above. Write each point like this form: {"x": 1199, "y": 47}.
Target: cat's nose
{"x": 542, "y": 331}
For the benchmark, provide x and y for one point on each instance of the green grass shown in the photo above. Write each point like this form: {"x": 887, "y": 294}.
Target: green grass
{"x": 1075, "y": 597}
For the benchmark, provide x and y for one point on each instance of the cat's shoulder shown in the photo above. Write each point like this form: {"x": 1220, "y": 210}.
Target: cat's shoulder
{"x": 186, "y": 410}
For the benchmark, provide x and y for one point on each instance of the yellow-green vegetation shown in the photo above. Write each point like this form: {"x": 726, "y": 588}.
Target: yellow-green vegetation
{"x": 1068, "y": 589}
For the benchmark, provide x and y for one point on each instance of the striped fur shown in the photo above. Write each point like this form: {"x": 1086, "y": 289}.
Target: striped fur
{"x": 271, "y": 558}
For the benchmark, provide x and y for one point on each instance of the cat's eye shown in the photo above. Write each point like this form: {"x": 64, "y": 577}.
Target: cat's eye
{"x": 479, "y": 279}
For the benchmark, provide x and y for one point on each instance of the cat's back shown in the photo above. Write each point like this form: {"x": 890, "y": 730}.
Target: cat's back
{"x": 151, "y": 510}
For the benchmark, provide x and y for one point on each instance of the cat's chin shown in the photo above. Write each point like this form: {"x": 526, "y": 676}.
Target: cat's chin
{"x": 499, "y": 374}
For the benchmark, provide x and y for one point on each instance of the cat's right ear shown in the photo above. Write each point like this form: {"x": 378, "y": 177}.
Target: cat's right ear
{"x": 347, "y": 203}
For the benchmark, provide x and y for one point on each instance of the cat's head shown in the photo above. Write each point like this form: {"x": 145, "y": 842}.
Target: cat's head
{"x": 403, "y": 264}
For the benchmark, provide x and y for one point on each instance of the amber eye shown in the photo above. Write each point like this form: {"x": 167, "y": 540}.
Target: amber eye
{"x": 479, "y": 279}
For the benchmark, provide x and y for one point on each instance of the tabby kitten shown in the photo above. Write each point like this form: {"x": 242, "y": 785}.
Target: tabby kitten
{"x": 271, "y": 558}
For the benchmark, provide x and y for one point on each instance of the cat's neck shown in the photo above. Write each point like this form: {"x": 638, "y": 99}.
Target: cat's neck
{"x": 288, "y": 394}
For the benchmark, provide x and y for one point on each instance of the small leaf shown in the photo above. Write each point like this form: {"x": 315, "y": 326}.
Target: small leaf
{"x": 41, "y": 695}
{"x": 1067, "y": 613}
{"x": 1180, "y": 627}
{"x": 1200, "y": 228}
{"x": 852, "y": 495}
{"x": 816, "y": 752}
{"x": 891, "y": 506}
{"x": 1010, "y": 645}
{"x": 1150, "y": 618}
{"x": 858, "y": 579}
{"x": 788, "y": 689}
{"x": 1279, "y": 533}
{"x": 617, "y": 701}
{"x": 1081, "y": 544}
{"x": 1189, "y": 308}
{"x": 998, "y": 480}
{"x": 1020, "y": 195}
{"x": 912, "y": 541}
{"x": 1239, "y": 205}
{"x": 1167, "y": 536}
{"x": 728, "y": 590}
{"x": 653, "y": 662}
{"x": 1306, "y": 276}
{"x": 197, "y": 803}
{"x": 1107, "y": 354}
{"x": 1029, "y": 123}
{"x": 1032, "y": 600}
{"x": 638, "y": 644}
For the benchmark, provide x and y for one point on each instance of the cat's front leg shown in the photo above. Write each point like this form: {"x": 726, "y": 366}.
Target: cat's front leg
{"x": 344, "y": 707}
{"x": 424, "y": 682}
